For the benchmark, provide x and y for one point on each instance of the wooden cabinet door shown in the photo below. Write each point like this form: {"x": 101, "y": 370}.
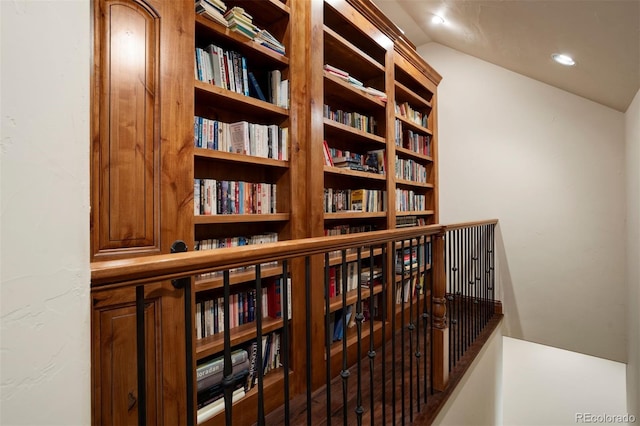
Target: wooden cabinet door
{"x": 141, "y": 127}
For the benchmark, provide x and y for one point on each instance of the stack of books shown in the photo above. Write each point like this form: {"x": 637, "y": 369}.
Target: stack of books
{"x": 240, "y": 21}
{"x": 265, "y": 38}
{"x": 209, "y": 383}
{"x": 212, "y": 9}
{"x": 344, "y": 75}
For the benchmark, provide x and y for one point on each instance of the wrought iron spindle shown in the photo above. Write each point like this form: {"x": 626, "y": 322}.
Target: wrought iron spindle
{"x": 402, "y": 312}
{"x": 344, "y": 374}
{"x": 227, "y": 379}
{"x": 307, "y": 284}
{"x": 410, "y": 326}
{"x": 384, "y": 334}
{"x": 260, "y": 419}
{"x": 372, "y": 353}
{"x": 425, "y": 316}
{"x": 359, "y": 318}
{"x": 393, "y": 337}
{"x": 285, "y": 337}
{"x": 327, "y": 337}
{"x": 141, "y": 361}
{"x": 420, "y": 293}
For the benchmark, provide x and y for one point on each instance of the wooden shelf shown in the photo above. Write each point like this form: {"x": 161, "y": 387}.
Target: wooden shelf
{"x": 348, "y": 131}
{"x": 415, "y": 213}
{"x": 404, "y": 182}
{"x": 209, "y": 93}
{"x": 404, "y": 152}
{"x": 413, "y": 126}
{"x": 345, "y": 55}
{"x": 352, "y": 336}
{"x": 241, "y": 334}
{"x": 404, "y": 94}
{"x": 348, "y": 94}
{"x": 353, "y": 215}
{"x": 273, "y": 380}
{"x": 335, "y": 303}
{"x": 267, "y": 10}
{"x": 354, "y": 173}
{"x": 240, "y": 218}
{"x": 238, "y": 158}
{"x": 259, "y": 55}
{"x": 407, "y": 275}
{"x": 352, "y": 256}
{"x": 212, "y": 282}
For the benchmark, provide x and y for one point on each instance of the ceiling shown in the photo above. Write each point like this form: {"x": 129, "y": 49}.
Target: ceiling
{"x": 603, "y": 36}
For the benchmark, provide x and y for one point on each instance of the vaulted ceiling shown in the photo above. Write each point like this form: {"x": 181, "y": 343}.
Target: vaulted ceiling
{"x": 603, "y": 36}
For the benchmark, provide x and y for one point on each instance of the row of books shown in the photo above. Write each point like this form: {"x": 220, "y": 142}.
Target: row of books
{"x": 409, "y": 288}
{"x": 407, "y": 260}
{"x": 404, "y": 109}
{"x": 411, "y": 140}
{"x": 239, "y": 241}
{"x": 353, "y": 119}
{"x": 345, "y": 318}
{"x": 357, "y": 200}
{"x": 228, "y": 69}
{"x": 210, "y": 390}
{"x": 210, "y": 313}
{"x": 237, "y": 19}
{"x": 344, "y": 75}
{"x": 410, "y": 170}
{"x": 242, "y": 137}
{"x": 245, "y": 371}
{"x": 342, "y": 281}
{"x": 407, "y": 221}
{"x": 348, "y": 229}
{"x": 373, "y": 161}
{"x": 213, "y": 197}
{"x": 409, "y": 200}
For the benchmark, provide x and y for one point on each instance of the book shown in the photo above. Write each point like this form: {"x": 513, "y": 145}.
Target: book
{"x": 256, "y": 87}
{"x": 210, "y": 410}
{"x": 328, "y": 161}
{"x": 216, "y": 378}
{"x": 239, "y": 133}
{"x": 213, "y": 366}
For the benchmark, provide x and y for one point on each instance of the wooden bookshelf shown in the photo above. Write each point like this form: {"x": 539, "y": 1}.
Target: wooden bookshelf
{"x": 152, "y": 205}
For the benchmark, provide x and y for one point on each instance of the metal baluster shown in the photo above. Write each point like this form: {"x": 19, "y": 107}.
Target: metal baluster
{"x": 460, "y": 294}
{"x": 327, "y": 337}
{"x": 285, "y": 337}
{"x": 359, "y": 318}
{"x": 420, "y": 292}
{"x": 384, "y": 334}
{"x": 141, "y": 359}
{"x": 372, "y": 352}
{"x": 425, "y": 314}
{"x": 393, "y": 335}
{"x": 260, "y": 419}
{"x": 345, "y": 371}
{"x": 402, "y": 311}
{"x": 227, "y": 379}
{"x": 410, "y": 326}
{"x": 307, "y": 283}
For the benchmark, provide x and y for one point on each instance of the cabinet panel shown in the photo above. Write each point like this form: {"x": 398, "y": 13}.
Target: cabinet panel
{"x": 127, "y": 153}
{"x": 115, "y": 331}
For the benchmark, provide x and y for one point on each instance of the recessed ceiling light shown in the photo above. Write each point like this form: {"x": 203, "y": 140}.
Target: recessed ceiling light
{"x": 563, "y": 59}
{"x": 437, "y": 19}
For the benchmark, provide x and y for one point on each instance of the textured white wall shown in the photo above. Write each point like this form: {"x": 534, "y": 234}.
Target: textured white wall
{"x": 550, "y": 166}
{"x": 44, "y": 156}
{"x": 550, "y": 386}
{"x": 632, "y": 121}
{"x": 477, "y": 400}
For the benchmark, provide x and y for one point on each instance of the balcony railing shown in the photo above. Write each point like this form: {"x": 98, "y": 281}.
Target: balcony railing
{"x": 350, "y": 329}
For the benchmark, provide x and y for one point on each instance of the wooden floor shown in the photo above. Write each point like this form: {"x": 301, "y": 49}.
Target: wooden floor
{"x": 398, "y": 398}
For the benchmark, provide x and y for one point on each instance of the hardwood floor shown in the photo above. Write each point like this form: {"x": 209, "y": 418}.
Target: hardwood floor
{"x": 398, "y": 394}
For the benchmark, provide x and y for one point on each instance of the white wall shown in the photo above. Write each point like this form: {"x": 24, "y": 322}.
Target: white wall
{"x": 477, "y": 400}
{"x": 550, "y": 386}
{"x": 44, "y": 213}
{"x": 632, "y": 125}
{"x": 549, "y": 165}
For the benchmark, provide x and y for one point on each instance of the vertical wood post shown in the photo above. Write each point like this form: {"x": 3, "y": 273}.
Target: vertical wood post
{"x": 440, "y": 330}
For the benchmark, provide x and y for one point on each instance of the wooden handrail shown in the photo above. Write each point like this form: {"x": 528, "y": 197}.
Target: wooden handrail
{"x": 453, "y": 226}
{"x": 142, "y": 270}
